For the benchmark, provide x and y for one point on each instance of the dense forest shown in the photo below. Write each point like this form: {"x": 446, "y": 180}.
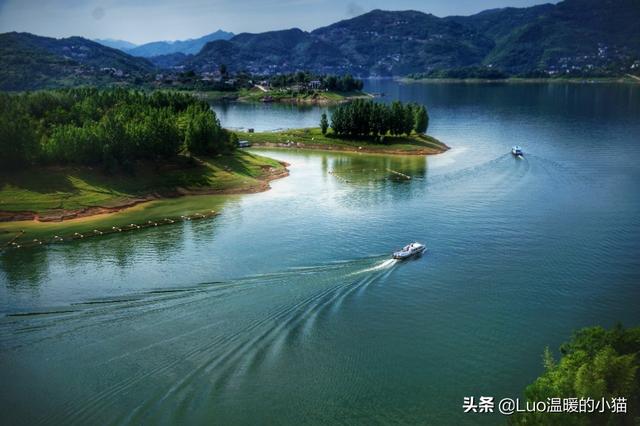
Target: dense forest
{"x": 110, "y": 128}
{"x": 365, "y": 118}
{"x": 597, "y": 364}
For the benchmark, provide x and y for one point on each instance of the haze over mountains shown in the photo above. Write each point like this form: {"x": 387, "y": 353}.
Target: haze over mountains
{"x": 582, "y": 36}
{"x": 156, "y": 48}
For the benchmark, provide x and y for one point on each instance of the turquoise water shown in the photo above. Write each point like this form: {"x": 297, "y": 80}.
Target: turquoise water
{"x": 287, "y": 308}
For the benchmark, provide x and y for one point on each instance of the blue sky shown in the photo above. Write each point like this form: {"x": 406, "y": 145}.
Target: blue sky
{"x": 141, "y": 21}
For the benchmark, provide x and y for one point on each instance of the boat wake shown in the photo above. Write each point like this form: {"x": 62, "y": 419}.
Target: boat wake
{"x": 203, "y": 340}
{"x": 385, "y": 264}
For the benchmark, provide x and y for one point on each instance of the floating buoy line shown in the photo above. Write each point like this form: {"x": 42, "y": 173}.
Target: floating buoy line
{"x": 402, "y": 175}
{"x": 394, "y": 172}
{"x": 16, "y": 243}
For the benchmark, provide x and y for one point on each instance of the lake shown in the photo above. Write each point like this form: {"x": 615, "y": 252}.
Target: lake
{"x": 287, "y": 309}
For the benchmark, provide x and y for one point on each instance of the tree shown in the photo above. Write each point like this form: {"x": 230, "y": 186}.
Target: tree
{"x": 301, "y": 77}
{"x": 397, "y": 118}
{"x": 324, "y": 124}
{"x": 421, "y": 119}
{"x": 364, "y": 118}
{"x": 114, "y": 128}
{"x": 408, "y": 119}
{"x": 222, "y": 68}
{"x": 18, "y": 140}
{"x": 597, "y": 363}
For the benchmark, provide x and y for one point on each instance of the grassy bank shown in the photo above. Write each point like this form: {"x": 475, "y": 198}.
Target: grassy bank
{"x": 313, "y": 138}
{"x": 282, "y": 96}
{"x": 54, "y": 201}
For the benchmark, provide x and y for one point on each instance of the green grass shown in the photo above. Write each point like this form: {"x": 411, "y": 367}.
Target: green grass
{"x": 47, "y": 189}
{"x": 278, "y": 95}
{"x": 50, "y": 191}
{"x": 313, "y": 138}
{"x": 140, "y": 214}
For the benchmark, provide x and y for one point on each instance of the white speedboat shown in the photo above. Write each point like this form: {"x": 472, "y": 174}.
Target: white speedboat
{"x": 410, "y": 250}
{"x": 517, "y": 151}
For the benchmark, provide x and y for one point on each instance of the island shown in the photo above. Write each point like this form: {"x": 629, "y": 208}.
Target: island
{"x": 360, "y": 126}
{"x": 312, "y": 138}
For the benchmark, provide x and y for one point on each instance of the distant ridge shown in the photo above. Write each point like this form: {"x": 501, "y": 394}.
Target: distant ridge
{"x": 34, "y": 62}
{"x": 115, "y": 44}
{"x": 572, "y": 37}
{"x": 188, "y": 47}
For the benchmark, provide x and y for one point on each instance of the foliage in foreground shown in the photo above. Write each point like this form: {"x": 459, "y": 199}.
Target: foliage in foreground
{"x": 596, "y": 363}
{"x": 365, "y": 118}
{"x": 110, "y": 128}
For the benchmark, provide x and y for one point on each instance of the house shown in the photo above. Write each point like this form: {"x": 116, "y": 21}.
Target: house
{"x": 244, "y": 144}
{"x": 315, "y": 84}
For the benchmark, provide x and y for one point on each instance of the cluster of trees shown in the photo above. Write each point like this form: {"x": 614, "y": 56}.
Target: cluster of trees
{"x": 346, "y": 83}
{"x": 190, "y": 80}
{"x": 342, "y": 84}
{"x": 365, "y": 118}
{"x": 113, "y": 128}
{"x": 596, "y": 363}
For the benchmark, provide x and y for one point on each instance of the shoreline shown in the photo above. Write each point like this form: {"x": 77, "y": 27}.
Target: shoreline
{"x": 313, "y": 139}
{"x": 352, "y": 150}
{"x": 518, "y": 80}
{"x": 98, "y": 211}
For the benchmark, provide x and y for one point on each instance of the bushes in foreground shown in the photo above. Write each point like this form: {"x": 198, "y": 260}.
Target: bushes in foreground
{"x": 111, "y": 128}
{"x": 597, "y": 364}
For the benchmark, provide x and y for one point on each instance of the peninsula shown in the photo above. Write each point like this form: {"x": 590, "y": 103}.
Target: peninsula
{"x": 107, "y": 159}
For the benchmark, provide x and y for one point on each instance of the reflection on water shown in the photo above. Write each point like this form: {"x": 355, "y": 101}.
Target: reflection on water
{"x": 24, "y": 268}
{"x": 241, "y": 116}
{"x": 97, "y": 264}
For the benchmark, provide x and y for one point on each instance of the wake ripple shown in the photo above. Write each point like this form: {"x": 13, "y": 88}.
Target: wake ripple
{"x": 214, "y": 356}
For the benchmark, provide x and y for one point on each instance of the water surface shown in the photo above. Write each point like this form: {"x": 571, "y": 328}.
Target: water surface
{"x": 286, "y": 308}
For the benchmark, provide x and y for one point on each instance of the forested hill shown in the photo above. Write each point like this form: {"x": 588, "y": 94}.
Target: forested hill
{"x": 570, "y": 38}
{"x": 30, "y": 62}
{"x": 582, "y": 36}
{"x": 573, "y": 33}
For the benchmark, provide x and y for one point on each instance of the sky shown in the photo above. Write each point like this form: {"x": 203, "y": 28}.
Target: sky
{"x": 142, "y": 21}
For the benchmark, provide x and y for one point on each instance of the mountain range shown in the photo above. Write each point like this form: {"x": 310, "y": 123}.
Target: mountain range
{"x": 157, "y": 48}
{"x": 588, "y": 37}
{"x": 573, "y": 34}
{"x": 116, "y": 44}
{"x": 34, "y": 62}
